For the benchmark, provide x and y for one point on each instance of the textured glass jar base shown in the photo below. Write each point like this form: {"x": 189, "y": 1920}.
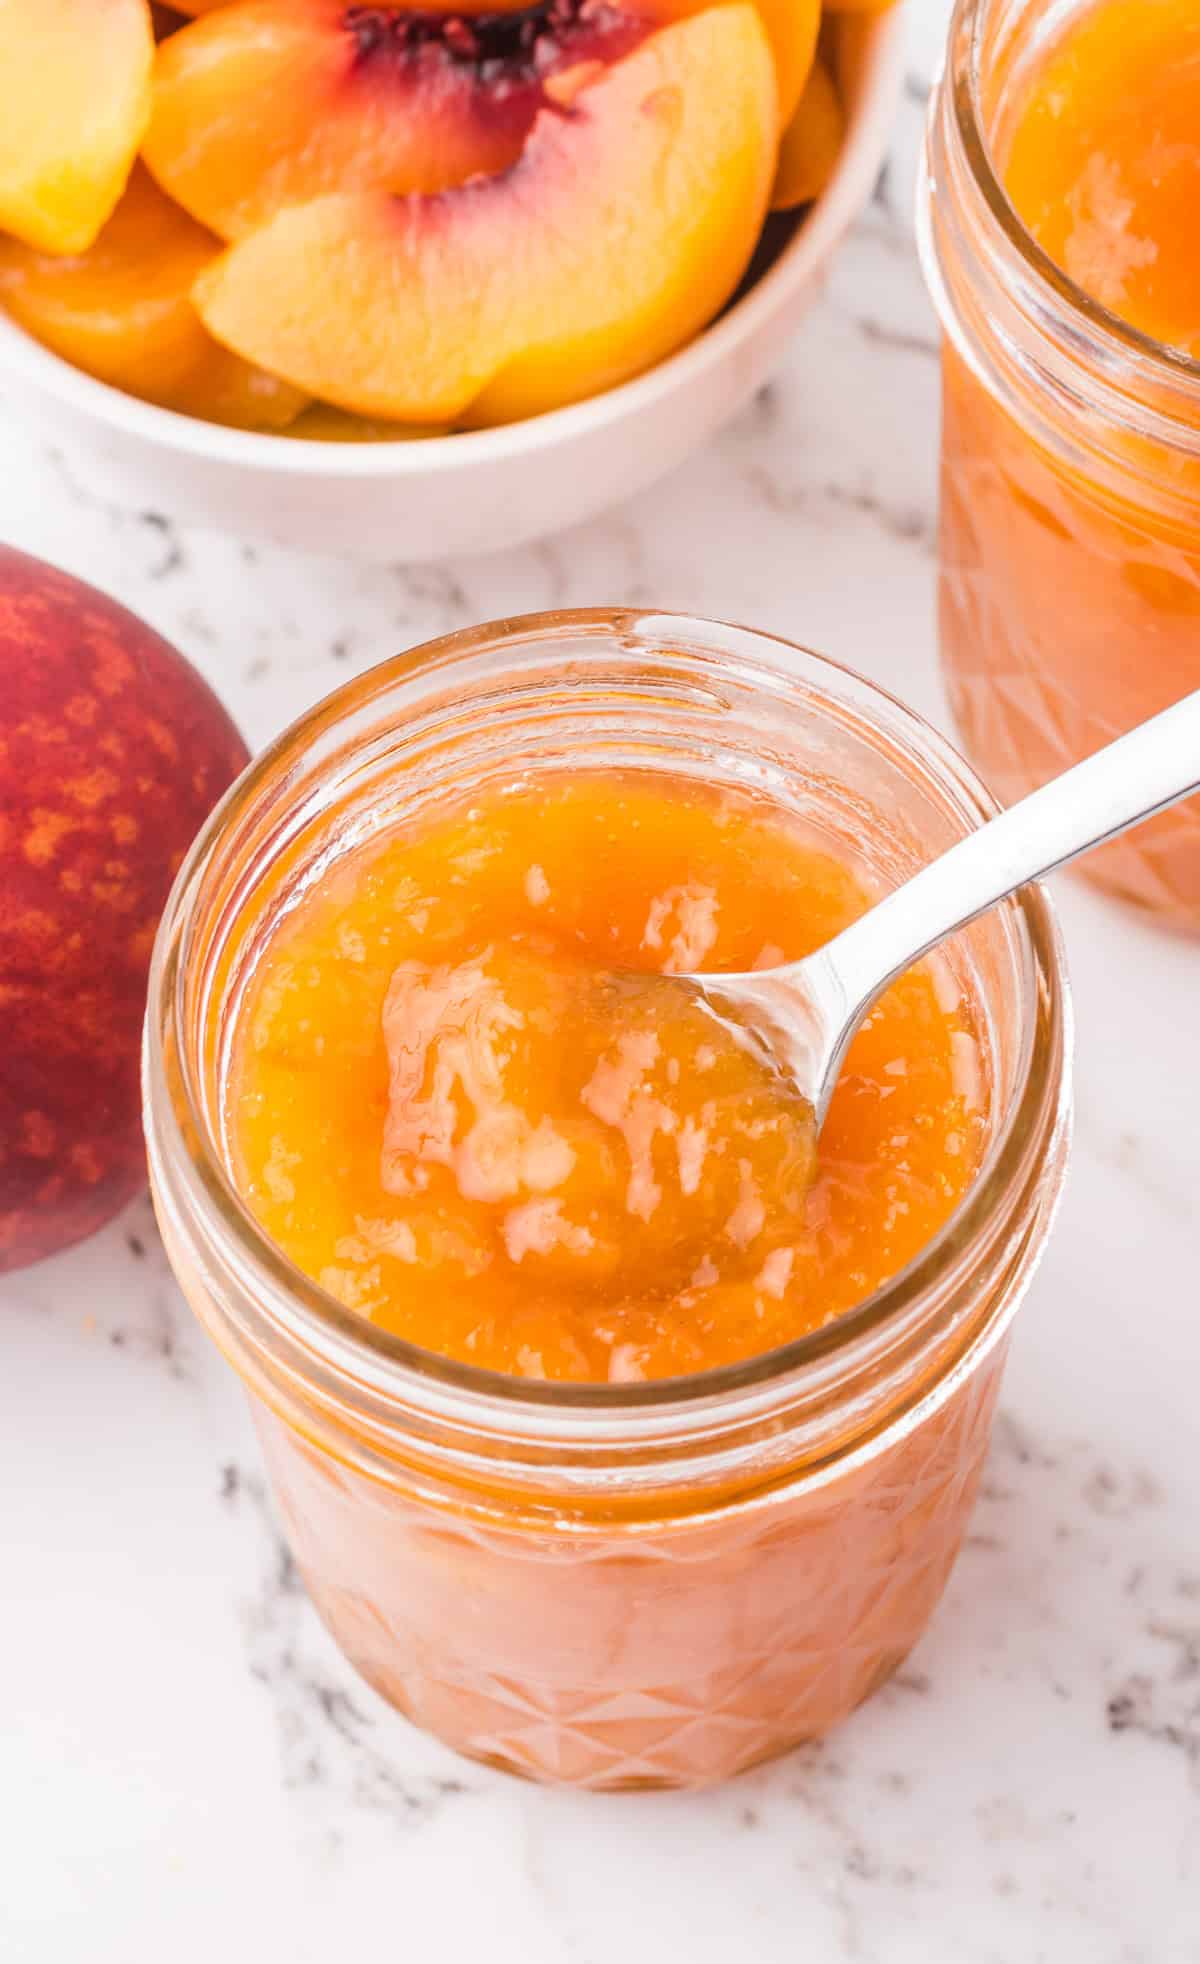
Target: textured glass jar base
{"x": 664, "y": 1653}
{"x": 1065, "y": 619}
{"x": 590, "y": 1748}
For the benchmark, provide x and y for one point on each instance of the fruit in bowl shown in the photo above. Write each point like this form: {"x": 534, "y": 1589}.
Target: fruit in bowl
{"x": 298, "y": 213}
{"x": 112, "y": 753}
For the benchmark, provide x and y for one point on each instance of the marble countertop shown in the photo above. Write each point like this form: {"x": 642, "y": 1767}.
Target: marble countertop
{"x": 188, "y": 1769}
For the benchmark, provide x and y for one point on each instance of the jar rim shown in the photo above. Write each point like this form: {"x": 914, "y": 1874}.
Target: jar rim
{"x": 962, "y": 84}
{"x": 359, "y": 1350}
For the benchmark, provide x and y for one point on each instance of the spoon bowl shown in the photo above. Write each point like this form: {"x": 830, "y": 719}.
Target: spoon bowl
{"x": 804, "y": 1014}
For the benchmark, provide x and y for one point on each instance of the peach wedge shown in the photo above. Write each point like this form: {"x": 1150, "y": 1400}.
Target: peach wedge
{"x": 811, "y": 144}
{"x": 272, "y": 103}
{"x": 320, "y": 423}
{"x": 74, "y": 99}
{"x": 792, "y": 25}
{"x": 622, "y": 229}
{"x": 122, "y": 311}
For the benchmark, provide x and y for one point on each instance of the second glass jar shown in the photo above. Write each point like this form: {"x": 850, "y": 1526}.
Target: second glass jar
{"x": 1070, "y": 483}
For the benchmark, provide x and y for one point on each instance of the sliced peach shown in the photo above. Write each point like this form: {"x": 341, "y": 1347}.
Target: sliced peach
{"x": 811, "y": 144}
{"x": 273, "y": 103}
{"x": 321, "y": 423}
{"x": 792, "y": 28}
{"x": 625, "y": 225}
{"x": 75, "y": 81}
{"x": 270, "y": 103}
{"x": 792, "y": 25}
{"x": 442, "y": 8}
{"x": 123, "y": 312}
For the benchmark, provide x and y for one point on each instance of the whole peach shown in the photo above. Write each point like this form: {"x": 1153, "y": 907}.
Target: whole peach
{"x": 112, "y": 752}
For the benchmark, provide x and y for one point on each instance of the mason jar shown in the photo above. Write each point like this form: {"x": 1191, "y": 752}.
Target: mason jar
{"x": 613, "y": 1585}
{"x": 1070, "y": 479}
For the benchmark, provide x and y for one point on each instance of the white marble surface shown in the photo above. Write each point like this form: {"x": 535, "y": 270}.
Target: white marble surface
{"x": 187, "y": 1769}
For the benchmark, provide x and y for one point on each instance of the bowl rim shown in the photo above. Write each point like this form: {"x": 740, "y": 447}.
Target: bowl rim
{"x": 22, "y": 358}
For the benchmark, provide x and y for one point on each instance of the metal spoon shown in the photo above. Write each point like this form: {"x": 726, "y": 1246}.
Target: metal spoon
{"x": 804, "y": 1014}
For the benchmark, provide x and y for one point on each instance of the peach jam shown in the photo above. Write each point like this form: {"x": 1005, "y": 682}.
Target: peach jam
{"x": 606, "y": 1201}
{"x": 1062, "y": 246}
{"x": 623, "y": 1434}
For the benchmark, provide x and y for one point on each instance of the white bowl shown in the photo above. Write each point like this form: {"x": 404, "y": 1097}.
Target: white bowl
{"x": 488, "y": 489}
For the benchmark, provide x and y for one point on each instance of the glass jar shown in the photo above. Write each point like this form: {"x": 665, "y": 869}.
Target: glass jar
{"x": 612, "y": 1585}
{"x": 1070, "y": 484}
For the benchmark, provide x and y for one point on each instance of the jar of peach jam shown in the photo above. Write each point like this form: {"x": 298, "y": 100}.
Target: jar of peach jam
{"x": 618, "y": 1584}
{"x": 1057, "y": 242}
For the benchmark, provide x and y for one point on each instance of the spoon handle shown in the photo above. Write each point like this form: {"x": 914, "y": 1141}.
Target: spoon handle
{"x": 1154, "y": 766}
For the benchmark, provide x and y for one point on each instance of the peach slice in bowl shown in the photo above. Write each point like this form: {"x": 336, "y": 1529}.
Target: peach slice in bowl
{"x": 565, "y": 397}
{"x": 71, "y": 126}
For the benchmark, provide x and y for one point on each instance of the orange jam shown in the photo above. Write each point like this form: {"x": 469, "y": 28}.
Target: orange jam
{"x": 1071, "y": 519}
{"x": 443, "y": 1112}
{"x": 1102, "y": 161}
